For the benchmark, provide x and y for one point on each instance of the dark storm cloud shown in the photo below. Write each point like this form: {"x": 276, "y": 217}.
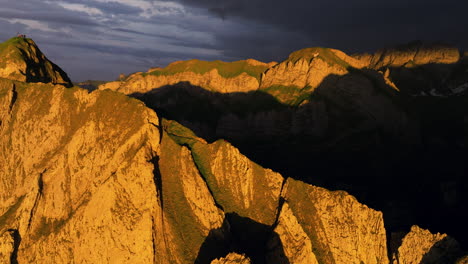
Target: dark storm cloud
{"x": 352, "y": 25}
{"x": 101, "y": 38}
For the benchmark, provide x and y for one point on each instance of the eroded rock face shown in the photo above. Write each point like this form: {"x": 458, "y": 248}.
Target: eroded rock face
{"x": 7, "y": 247}
{"x": 239, "y": 185}
{"x": 420, "y": 246}
{"x": 211, "y": 80}
{"x": 189, "y": 211}
{"x": 232, "y": 258}
{"x": 462, "y": 260}
{"x": 341, "y": 230}
{"x": 76, "y": 176}
{"x": 22, "y": 60}
{"x": 416, "y": 53}
{"x": 292, "y": 245}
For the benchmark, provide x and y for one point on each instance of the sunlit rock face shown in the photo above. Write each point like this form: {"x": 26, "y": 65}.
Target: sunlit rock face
{"x": 415, "y": 53}
{"x": 422, "y": 247}
{"x": 87, "y": 181}
{"x": 232, "y": 258}
{"x": 298, "y": 249}
{"x": 7, "y": 246}
{"x": 216, "y": 76}
{"x": 100, "y": 178}
{"x": 293, "y": 79}
{"x": 76, "y": 174}
{"x": 22, "y": 60}
{"x": 340, "y": 229}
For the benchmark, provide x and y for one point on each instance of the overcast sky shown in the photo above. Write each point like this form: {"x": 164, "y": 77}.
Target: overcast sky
{"x": 98, "y": 39}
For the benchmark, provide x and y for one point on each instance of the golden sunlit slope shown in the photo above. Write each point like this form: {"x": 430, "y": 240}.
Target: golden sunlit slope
{"x": 215, "y": 76}
{"x": 22, "y": 60}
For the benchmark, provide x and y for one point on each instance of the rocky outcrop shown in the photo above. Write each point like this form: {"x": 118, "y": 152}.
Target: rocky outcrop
{"x": 412, "y": 54}
{"x": 22, "y": 60}
{"x": 77, "y": 176}
{"x": 462, "y": 260}
{"x": 294, "y": 78}
{"x": 340, "y": 229}
{"x": 189, "y": 211}
{"x": 420, "y": 246}
{"x": 222, "y": 77}
{"x": 90, "y": 177}
{"x": 99, "y": 178}
{"x": 304, "y": 71}
{"x": 292, "y": 245}
{"x": 7, "y": 247}
{"x": 239, "y": 185}
{"x": 232, "y": 258}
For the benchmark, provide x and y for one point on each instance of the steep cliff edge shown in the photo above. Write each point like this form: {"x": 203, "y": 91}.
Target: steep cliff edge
{"x": 292, "y": 81}
{"x": 76, "y": 174}
{"x": 22, "y": 60}
{"x": 99, "y": 178}
{"x": 216, "y": 76}
{"x": 410, "y": 55}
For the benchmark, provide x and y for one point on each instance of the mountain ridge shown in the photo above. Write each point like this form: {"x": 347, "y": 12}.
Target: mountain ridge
{"x": 22, "y": 60}
{"x": 101, "y": 177}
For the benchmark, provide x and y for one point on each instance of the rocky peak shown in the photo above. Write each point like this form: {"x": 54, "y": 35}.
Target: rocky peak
{"x": 297, "y": 77}
{"x": 413, "y": 54}
{"x": 22, "y": 60}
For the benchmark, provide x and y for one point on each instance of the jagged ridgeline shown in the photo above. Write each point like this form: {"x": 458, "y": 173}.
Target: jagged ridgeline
{"x": 22, "y": 60}
{"x": 101, "y": 178}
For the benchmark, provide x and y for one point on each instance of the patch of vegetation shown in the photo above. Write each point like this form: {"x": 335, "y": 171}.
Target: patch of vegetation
{"x": 48, "y": 226}
{"x": 289, "y": 95}
{"x": 174, "y": 202}
{"x": 10, "y": 45}
{"x": 202, "y": 156}
{"x": 179, "y": 133}
{"x": 323, "y": 53}
{"x": 225, "y": 69}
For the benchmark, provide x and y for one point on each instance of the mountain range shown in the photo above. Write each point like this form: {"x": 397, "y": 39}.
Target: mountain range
{"x": 322, "y": 158}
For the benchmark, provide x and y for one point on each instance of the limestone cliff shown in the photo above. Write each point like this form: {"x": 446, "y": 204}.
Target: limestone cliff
{"x": 410, "y": 55}
{"x": 216, "y": 76}
{"x": 340, "y": 229}
{"x": 8, "y": 247}
{"x": 420, "y": 246}
{"x": 100, "y": 178}
{"x": 239, "y": 185}
{"x": 88, "y": 179}
{"x": 232, "y": 258}
{"x": 76, "y": 175}
{"x": 297, "y": 247}
{"x": 22, "y": 60}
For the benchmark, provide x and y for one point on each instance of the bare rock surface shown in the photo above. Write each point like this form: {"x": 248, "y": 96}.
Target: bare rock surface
{"x": 232, "y": 258}
{"x": 416, "y": 53}
{"x": 238, "y": 184}
{"x": 189, "y": 211}
{"x": 420, "y": 246}
{"x": 241, "y": 80}
{"x": 292, "y": 245}
{"x": 22, "y": 60}
{"x": 340, "y": 229}
{"x": 76, "y": 178}
{"x": 7, "y": 247}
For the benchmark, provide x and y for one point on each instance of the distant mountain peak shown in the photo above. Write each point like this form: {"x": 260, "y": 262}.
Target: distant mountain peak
{"x": 22, "y": 60}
